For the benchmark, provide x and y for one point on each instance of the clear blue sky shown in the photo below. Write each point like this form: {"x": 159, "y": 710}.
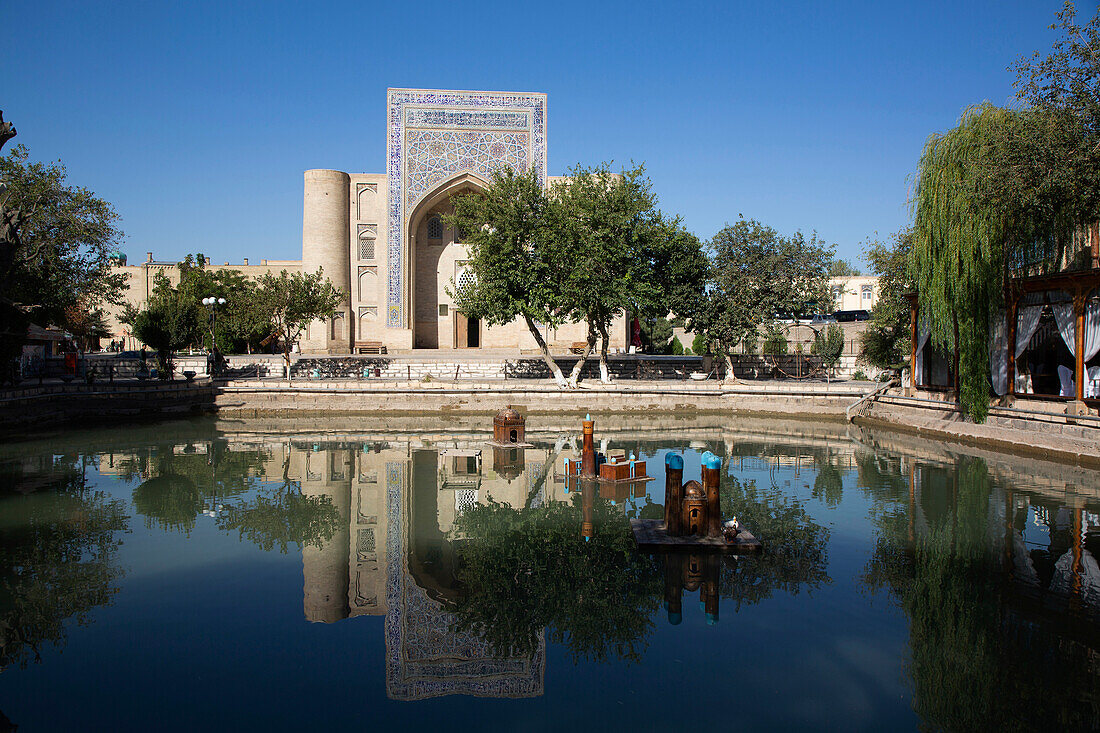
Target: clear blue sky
{"x": 196, "y": 119}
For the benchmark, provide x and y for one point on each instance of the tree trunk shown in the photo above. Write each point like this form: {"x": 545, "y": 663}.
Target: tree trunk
{"x": 575, "y": 375}
{"x": 605, "y": 372}
{"x": 286, "y": 362}
{"x": 730, "y": 376}
{"x": 555, "y": 370}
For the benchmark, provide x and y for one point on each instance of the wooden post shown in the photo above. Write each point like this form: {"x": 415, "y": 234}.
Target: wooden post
{"x": 710, "y": 588}
{"x": 711, "y": 489}
{"x": 588, "y": 451}
{"x": 1094, "y": 249}
{"x": 674, "y": 587}
{"x": 1079, "y": 343}
{"x": 674, "y": 494}
{"x": 914, "y": 334}
{"x": 956, "y": 321}
{"x": 588, "y": 500}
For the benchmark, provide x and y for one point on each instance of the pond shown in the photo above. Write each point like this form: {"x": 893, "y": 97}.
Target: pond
{"x": 323, "y": 575}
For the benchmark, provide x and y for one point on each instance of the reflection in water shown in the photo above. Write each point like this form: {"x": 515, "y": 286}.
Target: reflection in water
{"x": 477, "y": 558}
{"x": 58, "y": 541}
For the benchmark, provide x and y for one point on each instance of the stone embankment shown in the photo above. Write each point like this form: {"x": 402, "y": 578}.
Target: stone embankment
{"x": 34, "y": 408}
{"x": 815, "y": 399}
{"x": 1045, "y": 434}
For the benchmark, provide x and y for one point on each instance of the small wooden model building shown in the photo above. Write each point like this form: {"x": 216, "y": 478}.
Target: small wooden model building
{"x": 509, "y": 427}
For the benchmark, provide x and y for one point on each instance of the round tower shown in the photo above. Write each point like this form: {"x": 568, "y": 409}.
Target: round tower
{"x": 326, "y": 243}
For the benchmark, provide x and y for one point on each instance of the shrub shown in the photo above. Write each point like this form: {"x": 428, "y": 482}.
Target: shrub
{"x": 860, "y": 376}
{"x": 677, "y": 347}
{"x": 699, "y": 344}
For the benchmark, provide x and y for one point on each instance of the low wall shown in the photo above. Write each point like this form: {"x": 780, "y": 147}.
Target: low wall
{"x": 418, "y": 398}
{"x": 35, "y": 408}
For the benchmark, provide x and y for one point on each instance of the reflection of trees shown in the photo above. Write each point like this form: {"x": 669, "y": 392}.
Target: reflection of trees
{"x": 794, "y": 555}
{"x": 526, "y": 570}
{"x": 983, "y": 655}
{"x": 181, "y": 484}
{"x": 286, "y": 518}
{"x": 829, "y": 484}
{"x": 57, "y": 549}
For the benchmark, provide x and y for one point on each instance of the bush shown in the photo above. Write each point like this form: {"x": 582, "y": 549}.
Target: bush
{"x": 699, "y": 344}
{"x": 860, "y": 376}
{"x": 775, "y": 342}
{"x": 677, "y": 347}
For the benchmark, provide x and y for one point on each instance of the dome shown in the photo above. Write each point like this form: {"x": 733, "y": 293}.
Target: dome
{"x": 693, "y": 489}
{"x": 508, "y": 414}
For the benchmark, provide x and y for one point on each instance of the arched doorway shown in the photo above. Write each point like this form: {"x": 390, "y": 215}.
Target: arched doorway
{"x": 437, "y": 258}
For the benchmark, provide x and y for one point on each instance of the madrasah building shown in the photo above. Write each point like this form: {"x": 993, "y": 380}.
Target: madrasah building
{"x": 380, "y": 237}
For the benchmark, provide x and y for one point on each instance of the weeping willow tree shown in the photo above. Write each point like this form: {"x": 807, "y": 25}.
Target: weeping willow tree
{"x": 989, "y": 200}
{"x": 1007, "y": 191}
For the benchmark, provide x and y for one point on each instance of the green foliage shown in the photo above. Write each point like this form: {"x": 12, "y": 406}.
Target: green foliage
{"x": 775, "y": 341}
{"x": 699, "y": 344}
{"x": 285, "y": 519}
{"x": 168, "y": 323}
{"x": 860, "y": 376}
{"x": 656, "y": 334}
{"x": 56, "y": 242}
{"x": 1006, "y": 191}
{"x": 843, "y": 268}
{"x": 58, "y": 551}
{"x": 795, "y": 557}
{"x": 529, "y": 569}
{"x": 829, "y": 345}
{"x": 677, "y": 348}
{"x": 517, "y": 255}
{"x": 292, "y": 301}
{"x": 885, "y": 342}
{"x": 758, "y": 274}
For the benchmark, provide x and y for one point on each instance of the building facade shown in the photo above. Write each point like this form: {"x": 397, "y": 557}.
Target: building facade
{"x": 380, "y": 237}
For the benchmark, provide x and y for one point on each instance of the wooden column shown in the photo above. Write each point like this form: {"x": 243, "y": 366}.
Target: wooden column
{"x": 956, "y": 321}
{"x": 1079, "y": 343}
{"x": 914, "y": 334}
{"x": 674, "y": 494}
{"x": 588, "y": 449}
{"x": 711, "y": 487}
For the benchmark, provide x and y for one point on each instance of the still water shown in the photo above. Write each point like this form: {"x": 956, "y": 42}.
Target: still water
{"x": 290, "y": 575}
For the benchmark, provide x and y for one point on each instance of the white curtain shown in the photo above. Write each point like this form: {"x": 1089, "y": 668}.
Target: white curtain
{"x": 1092, "y": 329}
{"x": 923, "y": 333}
{"x": 1063, "y": 316}
{"x": 998, "y": 353}
{"x": 1027, "y": 320}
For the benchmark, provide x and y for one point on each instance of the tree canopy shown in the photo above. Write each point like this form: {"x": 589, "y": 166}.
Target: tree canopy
{"x": 885, "y": 341}
{"x": 56, "y": 247}
{"x": 1007, "y": 191}
{"x": 757, "y": 276}
{"x": 293, "y": 301}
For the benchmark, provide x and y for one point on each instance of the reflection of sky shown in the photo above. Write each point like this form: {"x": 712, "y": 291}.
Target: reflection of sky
{"x": 208, "y": 632}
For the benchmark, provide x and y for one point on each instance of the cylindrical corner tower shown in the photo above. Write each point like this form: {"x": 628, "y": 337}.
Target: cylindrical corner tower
{"x": 326, "y": 243}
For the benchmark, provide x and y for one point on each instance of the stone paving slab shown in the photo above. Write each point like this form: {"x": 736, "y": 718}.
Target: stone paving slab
{"x": 649, "y": 534}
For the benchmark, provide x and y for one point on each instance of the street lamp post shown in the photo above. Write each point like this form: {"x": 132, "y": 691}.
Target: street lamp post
{"x": 213, "y": 302}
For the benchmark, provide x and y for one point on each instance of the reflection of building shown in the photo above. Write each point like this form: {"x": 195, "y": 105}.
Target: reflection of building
{"x": 395, "y": 555}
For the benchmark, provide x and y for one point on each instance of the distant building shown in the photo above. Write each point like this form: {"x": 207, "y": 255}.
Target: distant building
{"x": 855, "y": 292}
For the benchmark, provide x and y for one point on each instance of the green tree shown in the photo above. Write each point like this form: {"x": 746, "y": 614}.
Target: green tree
{"x": 756, "y": 275}
{"x": 612, "y": 233}
{"x": 829, "y": 345}
{"x": 885, "y": 341}
{"x": 656, "y": 334}
{"x": 1006, "y": 192}
{"x": 513, "y": 238}
{"x": 168, "y": 323}
{"x": 843, "y": 268}
{"x": 56, "y": 247}
{"x": 699, "y": 344}
{"x": 293, "y": 301}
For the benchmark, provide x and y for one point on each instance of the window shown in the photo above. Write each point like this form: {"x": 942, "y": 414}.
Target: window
{"x": 368, "y": 313}
{"x": 435, "y": 227}
{"x": 868, "y": 291}
{"x": 366, "y": 248}
{"x": 443, "y": 309}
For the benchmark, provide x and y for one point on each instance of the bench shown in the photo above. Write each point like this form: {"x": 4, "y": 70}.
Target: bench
{"x": 370, "y": 347}
{"x": 578, "y": 347}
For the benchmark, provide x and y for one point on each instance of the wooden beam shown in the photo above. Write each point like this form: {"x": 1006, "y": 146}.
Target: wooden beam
{"x": 913, "y": 336}
{"x": 1010, "y": 330}
{"x": 1079, "y": 343}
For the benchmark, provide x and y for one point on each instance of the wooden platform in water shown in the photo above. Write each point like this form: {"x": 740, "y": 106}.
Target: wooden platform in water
{"x": 649, "y": 534}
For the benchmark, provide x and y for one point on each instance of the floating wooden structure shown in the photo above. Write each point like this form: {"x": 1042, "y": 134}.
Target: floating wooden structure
{"x": 509, "y": 430}
{"x": 693, "y": 514}
{"x": 650, "y": 535}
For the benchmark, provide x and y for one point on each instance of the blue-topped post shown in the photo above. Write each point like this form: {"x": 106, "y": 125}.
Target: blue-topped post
{"x": 674, "y": 494}
{"x": 712, "y": 466}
